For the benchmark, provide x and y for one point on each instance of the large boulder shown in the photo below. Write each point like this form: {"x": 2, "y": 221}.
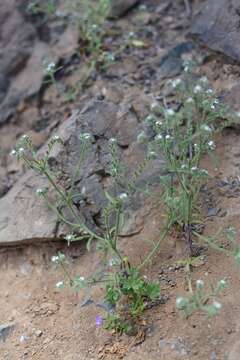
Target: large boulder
{"x": 217, "y": 26}
{"x": 23, "y": 217}
{"x": 22, "y": 51}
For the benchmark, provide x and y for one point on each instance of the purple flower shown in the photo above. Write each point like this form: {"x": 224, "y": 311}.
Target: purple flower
{"x": 99, "y": 320}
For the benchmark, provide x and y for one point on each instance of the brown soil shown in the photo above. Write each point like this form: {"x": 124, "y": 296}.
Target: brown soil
{"x": 51, "y": 324}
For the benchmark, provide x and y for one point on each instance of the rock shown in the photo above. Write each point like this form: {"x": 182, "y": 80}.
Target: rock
{"x": 22, "y": 52}
{"x": 217, "y": 26}
{"x": 171, "y": 63}
{"x": 23, "y": 217}
{"x": 121, "y": 7}
{"x": 17, "y": 39}
{"x": 23, "y": 338}
{"x": 5, "y": 331}
{"x": 213, "y": 356}
{"x": 38, "y": 333}
{"x": 179, "y": 346}
{"x": 25, "y": 83}
{"x": 4, "y": 84}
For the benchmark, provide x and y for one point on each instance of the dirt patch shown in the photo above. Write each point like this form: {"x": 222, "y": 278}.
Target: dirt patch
{"x": 40, "y": 322}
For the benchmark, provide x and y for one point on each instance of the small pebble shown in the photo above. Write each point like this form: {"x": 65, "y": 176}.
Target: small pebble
{"x": 23, "y": 338}
{"x": 213, "y": 356}
{"x": 38, "y": 333}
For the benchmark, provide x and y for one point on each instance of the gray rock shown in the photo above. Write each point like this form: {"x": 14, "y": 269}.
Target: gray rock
{"x": 17, "y": 38}
{"x": 5, "y": 331}
{"x": 120, "y": 7}
{"x": 171, "y": 63}
{"x": 217, "y": 26}
{"x": 22, "y": 53}
{"x": 17, "y": 52}
{"x": 213, "y": 356}
{"x": 4, "y": 84}
{"x": 23, "y": 217}
{"x": 179, "y": 346}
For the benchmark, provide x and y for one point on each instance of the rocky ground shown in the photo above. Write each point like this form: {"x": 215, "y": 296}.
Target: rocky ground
{"x": 36, "y": 320}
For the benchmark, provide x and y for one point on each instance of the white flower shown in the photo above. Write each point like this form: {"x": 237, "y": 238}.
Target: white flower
{"x": 39, "y": 192}
{"x": 152, "y": 155}
{"x": 194, "y": 168}
{"x": 176, "y": 82}
{"x": 150, "y": 118}
{"x": 183, "y": 166}
{"x": 131, "y": 34}
{"x": 55, "y": 259}
{"x": 189, "y": 100}
{"x": 222, "y": 284}
{"x": 123, "y": 196}
{"x": 181, "y": 302}
{"x": 200, "y": 284}
{"x": 81, "y": 278}
{"x": 49, "y": 68}
{"x": 197, "y": 89}
{"x": 112, "y": 262}
{"x": 56, "y": 138}
{"x": 21, "y": 151}
{"x": 169, "y": 112}
{"x": 60, "y": 284}
{"x": 211, "y": 145}
{"x": 110, "y": 57}
{"x": 112, "y": 141}
{"x": 70, "y": 237}
{"x": 213, "y": 107}
{"x": 204, "y": 79}
{"x": 13, "y": 152}
{"x": 217, "y": 305}
{"x": 86, "y": 136}
{"x": 209, "y": 91}
{"x": 205, "y": 127}
{"x": 167, "y": 137}
{"x": 24, "y": 137}
{"x": 154, "y": 105}
{"x": 158, "y": 137}
{"x": 195, "y": 146}
{"x": 158, "y": 123}
{"x": 94, "y": 26}
{"x": 204, "y": 171}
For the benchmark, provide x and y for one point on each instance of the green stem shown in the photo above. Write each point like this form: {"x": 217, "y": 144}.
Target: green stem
{"x": 70, "y": 207}
{"x": 156, "y": 246}
{"x": 67, "y": 274}
{"x": 213, "y": 245}
{"x": 117, "y": 227}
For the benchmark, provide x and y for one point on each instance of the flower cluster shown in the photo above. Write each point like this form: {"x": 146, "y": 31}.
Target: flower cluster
{"x": 59, "y": 258}
{"x": 49, "y": 68}
{"x": 201, "y": 299}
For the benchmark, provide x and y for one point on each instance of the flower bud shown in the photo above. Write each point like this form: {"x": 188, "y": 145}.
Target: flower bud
{"x": 199, "y": 284}
{"x": 181, "y": 303}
